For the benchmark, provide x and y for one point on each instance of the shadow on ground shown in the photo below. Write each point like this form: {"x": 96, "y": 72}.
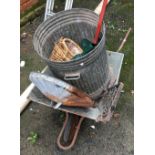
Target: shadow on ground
{"x": 113, "y": 138}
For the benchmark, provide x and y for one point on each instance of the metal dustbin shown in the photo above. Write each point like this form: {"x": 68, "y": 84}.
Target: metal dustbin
{"x": 91, "y": 72}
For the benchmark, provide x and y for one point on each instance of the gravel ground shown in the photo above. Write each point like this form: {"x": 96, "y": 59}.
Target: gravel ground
{"x": 113, "y": 138}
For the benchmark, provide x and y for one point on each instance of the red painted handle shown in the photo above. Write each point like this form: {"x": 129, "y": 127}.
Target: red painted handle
{"x": 98, "y": 29}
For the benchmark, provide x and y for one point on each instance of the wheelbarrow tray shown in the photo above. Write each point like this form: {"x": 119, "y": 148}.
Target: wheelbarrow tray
{"x": 104, "y": 106}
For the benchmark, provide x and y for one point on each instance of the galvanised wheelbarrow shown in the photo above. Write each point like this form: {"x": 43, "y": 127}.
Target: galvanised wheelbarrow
{"x": 101, "y": 108}
{"x": 101, "y": 111}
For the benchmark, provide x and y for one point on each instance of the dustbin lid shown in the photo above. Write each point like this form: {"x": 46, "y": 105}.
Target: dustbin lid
{"x": 60, "y": 91}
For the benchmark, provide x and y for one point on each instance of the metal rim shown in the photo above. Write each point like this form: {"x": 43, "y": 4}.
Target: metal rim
{"x": 41, "y": 33}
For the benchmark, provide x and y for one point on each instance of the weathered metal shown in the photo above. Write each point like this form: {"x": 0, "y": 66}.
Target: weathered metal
{"x": 50, "y": 6}
{"x": 59, "y": 91}
{"x": 115, "y": 62}
{"x": 72, "y": 123}
{"x": 93, "y": 67}
{"x": 68, "y": 134}
{"x": 101, "y": 112}
{"x": 108, "y": 102}
{"x": 105, "y": 105}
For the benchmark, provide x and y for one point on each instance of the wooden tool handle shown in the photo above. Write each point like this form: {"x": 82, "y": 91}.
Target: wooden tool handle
{"x": 98, "y": 29}
{"x": 99, "y": 7}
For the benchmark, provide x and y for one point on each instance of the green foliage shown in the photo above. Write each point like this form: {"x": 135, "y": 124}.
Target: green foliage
{"x": 33, "y": 137}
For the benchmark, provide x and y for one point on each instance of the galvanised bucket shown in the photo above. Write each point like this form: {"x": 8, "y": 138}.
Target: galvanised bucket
{"x": 90, "y": 73}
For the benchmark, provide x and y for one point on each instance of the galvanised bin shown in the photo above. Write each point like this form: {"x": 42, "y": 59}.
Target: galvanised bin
{"x": 91, "y": 72}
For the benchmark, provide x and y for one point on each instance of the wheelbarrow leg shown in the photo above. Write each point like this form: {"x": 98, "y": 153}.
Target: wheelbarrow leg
{"x": 69, "y": 131}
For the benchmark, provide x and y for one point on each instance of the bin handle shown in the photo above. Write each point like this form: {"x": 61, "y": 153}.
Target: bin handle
{"x": 72, "y": 76}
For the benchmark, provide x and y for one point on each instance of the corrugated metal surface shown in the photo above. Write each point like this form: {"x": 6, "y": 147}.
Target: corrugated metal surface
{"x": 75, "y": 24}
{"x": 115, "y": 60}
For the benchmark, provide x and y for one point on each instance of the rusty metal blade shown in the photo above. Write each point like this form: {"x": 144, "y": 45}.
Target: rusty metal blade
{"x": 60, "y": 91}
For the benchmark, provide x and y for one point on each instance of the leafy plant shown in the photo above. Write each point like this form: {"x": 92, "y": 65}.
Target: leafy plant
{"x": 110, "y": 25}
{"x": 33, "y": 137}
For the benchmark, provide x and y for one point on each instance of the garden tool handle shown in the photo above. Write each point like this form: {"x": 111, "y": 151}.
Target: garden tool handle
{"x": 98, "y": 29}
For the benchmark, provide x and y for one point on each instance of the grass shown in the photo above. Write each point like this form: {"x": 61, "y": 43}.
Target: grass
{"x": 119, "y": 17}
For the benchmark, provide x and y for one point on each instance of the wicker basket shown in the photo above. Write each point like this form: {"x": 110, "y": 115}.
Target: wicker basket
{"x": 64, "y": 50}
